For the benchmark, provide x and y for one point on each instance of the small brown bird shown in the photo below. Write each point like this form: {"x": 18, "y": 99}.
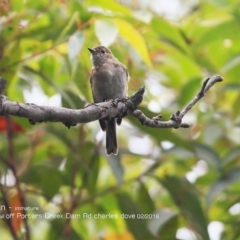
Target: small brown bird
{"x": 109, "y": 80}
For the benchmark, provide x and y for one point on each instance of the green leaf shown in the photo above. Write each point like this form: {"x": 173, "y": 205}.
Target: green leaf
{"x": 62, "y": 133}
{"x": 116, "y": 166}
{"x": 189, "y": 90}
{"x": 17, "y": 5}
{"x": 232, "y": 155}
{"x": 156, "y": 224}
{"x": 76, "y": 101}
{"x": 144, "y": 200}
{"x": 128, "y": 32}
{"x": 114, "y": 6}
{"x": 40, "y": 178}
{"x": 56, "y": 230}
{"x": 231, "y": 87}
{"x": 219, "y": 33}
{"x": 233, "y": 63}
{"x": 68, "y": 28}
{"x": 9, "y": 62}
{"x": 32, "y": 5}
{"x": 186, "y": 198}
{"x": 207, "y": 154}
{"x": 51, "y": 32}
{"x": 75, "y": 44}
{"x": 220, "y": 185}
{"x": 170, "y": 33}
{"x": 80, "y": 6}
{"x": 180, "y": 152}
{"x": 49, "y": 81}
{"x": 90, "y": 167}
{"x": 169, "y": 230}
{"x": 81, "y": 84}
{"x": 131, "y": 213}
{"x": 106, "y": 32}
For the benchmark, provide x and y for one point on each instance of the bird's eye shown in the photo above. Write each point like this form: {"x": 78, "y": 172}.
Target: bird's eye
{"x": 102, "y": 51}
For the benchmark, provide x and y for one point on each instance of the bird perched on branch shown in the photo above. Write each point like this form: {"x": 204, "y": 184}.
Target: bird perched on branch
{"x": 109, "y": 80}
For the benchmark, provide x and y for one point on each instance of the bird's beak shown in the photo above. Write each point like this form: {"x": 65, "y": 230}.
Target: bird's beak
{"x": 91, "y": 50}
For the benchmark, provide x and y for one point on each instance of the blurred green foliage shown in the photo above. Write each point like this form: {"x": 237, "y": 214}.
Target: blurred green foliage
{"x": 162, "y": 180}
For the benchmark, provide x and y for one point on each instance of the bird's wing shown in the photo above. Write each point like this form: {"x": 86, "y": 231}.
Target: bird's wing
{"x": 119, "y": 64}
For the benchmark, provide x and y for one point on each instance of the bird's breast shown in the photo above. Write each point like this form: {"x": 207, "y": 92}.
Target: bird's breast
{"x": 108, "y": 83}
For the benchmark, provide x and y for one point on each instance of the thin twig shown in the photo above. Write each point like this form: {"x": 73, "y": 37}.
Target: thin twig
{"x": 176, "y": 119}
{"x": 207, "y": 84}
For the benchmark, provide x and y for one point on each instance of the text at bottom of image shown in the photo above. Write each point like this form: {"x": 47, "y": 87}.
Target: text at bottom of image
{"x": 50, "y": 216}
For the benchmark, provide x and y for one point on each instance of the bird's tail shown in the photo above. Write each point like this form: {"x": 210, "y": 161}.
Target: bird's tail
{"x": 111, "y": 138}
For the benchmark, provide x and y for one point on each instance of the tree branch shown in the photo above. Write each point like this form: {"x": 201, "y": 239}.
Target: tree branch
{"x": 95, "y": 111}
{"x": 175, "y": 120}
